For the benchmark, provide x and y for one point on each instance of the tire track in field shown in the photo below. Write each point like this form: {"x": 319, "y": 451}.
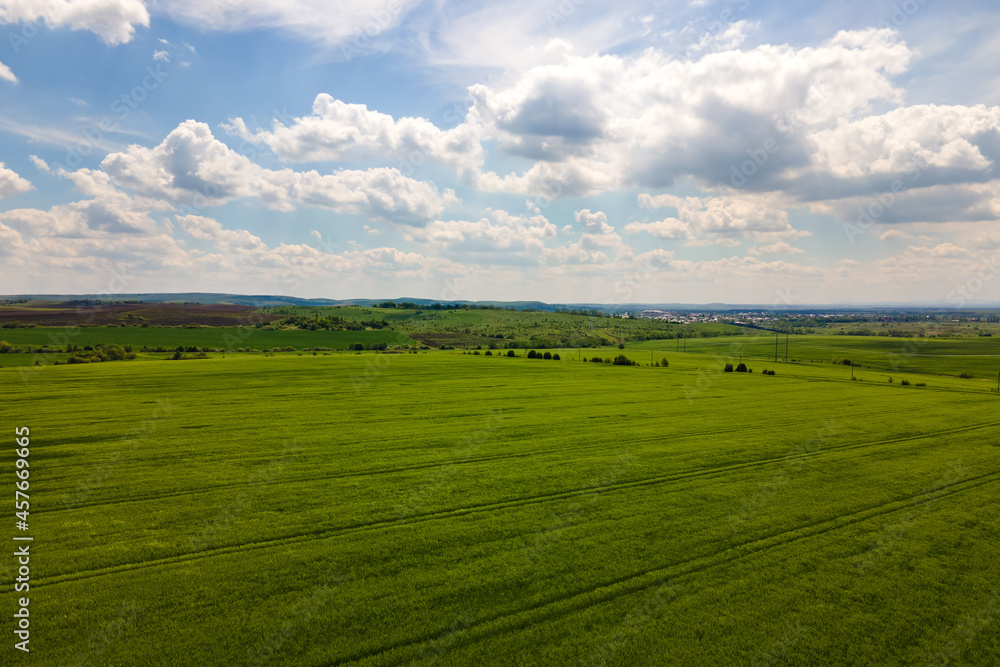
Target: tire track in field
{"x": 450, "y": 462}
{"x": 340, "y": 531}
{"x": 580, "y": 600}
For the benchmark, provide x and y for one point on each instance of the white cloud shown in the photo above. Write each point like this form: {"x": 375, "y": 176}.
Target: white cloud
{"x": 596, "y": 123}
{"x": 497, "y": 232}
{"x": 162, "y": 56}
{"x": 894, "y": 235}
{"x": 728, "y": 39}
{"x": 191, "y": 167}
{"x": 322, "y": 22}
{"x": 779, "y": 248}
{"x": 11, "y": 183}
{"x": 337, "y": 131}
{"x": 725, "y": 220}
{"x": 114, "y": 21}
{"x": 109, "y": 211}
{"x": 40, "y": 164}
{"x": 6, "y": 74}
{"x": 908, "y": 138}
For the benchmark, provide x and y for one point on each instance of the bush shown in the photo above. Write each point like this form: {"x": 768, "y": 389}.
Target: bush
{"x": 921, "y": 384}
{"x": 547, "y": 355}
{"x": 357, "y": 347}
{"x": 488, "y": 353}
{"x": 742, "y": 368}
{"x": 621, "y": 346}
{"x": 846, "y": 362}
{"x": 532, "y": 354}
{"x": 622, "y": 360}
{"x": 966, "y": 376}
{"x": 905, "y": 383}
{"x": 664, "y": 362}
{"x": 728, "y": 368}
{"x": 510, "y": 353}
{"x": 555, "y": 357}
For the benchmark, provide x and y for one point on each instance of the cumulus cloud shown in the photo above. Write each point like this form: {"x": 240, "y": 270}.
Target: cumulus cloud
{"x": 192, "y": 167}
{"x": 6, "y": 74}
{"x": 779, "y": 248}
{"x": 108, "y": 211}
{"x": 498, "y": 232}
{"x": 603, "y": 122}
{"x": 40, "y": 164}
{"x": 11, "y": 183}
{"x": 725, "y": 220}
{"x": 114, "y": 21}
{"x": 337, "y": 131}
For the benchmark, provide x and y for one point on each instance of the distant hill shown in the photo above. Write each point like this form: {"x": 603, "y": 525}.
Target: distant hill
{"x": 263, "y": 300}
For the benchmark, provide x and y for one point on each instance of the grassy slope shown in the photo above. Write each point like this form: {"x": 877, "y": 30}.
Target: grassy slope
{"x": 467, "y": 509}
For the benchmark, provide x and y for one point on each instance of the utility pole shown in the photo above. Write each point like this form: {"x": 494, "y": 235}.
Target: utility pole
{"x": 786, "y": 347}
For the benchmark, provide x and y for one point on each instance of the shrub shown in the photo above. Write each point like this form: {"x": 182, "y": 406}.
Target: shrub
{"x": 532, "y": 354}
{"x": 547, "y": 355}
{"x": 510, "y": 353}
{"x": 664, "y": 362}
{"x": 357, "y": 347}
{"x": 728, "y": 368}
{"x": 742, "y": 368}
{"x": 966, "y": 376}
{"x": 555, "y": 357}
{"x": 846, "y": 362}
{"x": 622, "y": 360}
{"x": 905, "y": 383}
{"x": 488, "y": 353}
{"x": 921, "y": 384}
{"x": 621, "y": 346}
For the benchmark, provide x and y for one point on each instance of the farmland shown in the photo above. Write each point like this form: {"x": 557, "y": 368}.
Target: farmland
{"x": 456, "y": 509}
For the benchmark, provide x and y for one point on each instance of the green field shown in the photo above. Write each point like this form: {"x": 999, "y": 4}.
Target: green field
{"x": 976, "y": 356}
{"x": 453, "y": 509}
{"x": 214, "y": 337}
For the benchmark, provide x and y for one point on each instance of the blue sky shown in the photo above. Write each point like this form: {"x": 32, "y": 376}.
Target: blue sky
{"x": 738, "y": 151}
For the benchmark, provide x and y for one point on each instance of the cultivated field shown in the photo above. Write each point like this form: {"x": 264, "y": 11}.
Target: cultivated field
{"x": 452, "y": 509}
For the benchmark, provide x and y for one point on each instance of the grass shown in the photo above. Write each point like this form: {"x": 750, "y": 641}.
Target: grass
{"x": 376, "y": 509}
{"x": 214, "y": 337}
{"x": 951, "y": 356}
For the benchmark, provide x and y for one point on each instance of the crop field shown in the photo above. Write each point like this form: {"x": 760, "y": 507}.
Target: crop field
{"x": 452, "y": 509}
{"x": 979, "y": 357}
{"x": 215, "y": 337}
